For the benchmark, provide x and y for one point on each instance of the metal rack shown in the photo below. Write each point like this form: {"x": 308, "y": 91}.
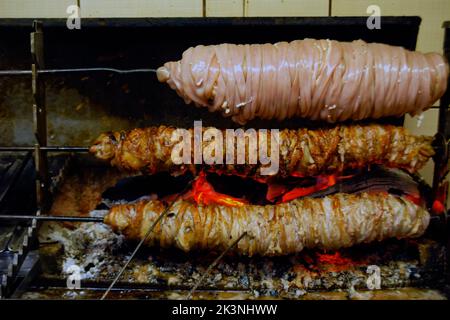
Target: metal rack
{"x": 40, "y": 158}
{"x": 41, "y": 149}
{"x": 441, "y": 169}
{"x": 443, "y": 135}
{"x": 17, "y": 238}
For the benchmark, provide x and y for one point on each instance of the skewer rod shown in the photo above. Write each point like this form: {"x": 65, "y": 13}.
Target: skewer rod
{"x": 85, "y": 219}
{"x": 48, "y": 148}
{"x": 51, "y": 218}
{"x": 71, "y": 70}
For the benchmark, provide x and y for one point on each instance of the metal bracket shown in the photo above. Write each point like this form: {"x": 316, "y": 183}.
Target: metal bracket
{"x": 441, "y": 166}
{"x": 8, "y": 280}
{"x": 441, "y": 160}
{"x": 39, "y": 117}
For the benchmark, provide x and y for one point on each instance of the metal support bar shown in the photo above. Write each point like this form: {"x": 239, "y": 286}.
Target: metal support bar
{"x": 10, "y": 217}
{"x": 9, "y": 280}
{"x": 440, "y": 186}
{"x": 39, "y": 117}
{"x": 46, "y": 149}
{"x": 441, "y": 167}
{"x": 73, "y": 70}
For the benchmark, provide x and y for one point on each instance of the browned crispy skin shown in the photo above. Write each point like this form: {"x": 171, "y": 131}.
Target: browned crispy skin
{"x": 332, "y": 222}
{"x": 302, "y": 152}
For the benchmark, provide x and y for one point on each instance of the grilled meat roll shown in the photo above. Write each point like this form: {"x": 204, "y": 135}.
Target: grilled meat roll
{"x": 302, "y": 152}
{"x": 314, "y": 79}
{"x": 332, "y": 222}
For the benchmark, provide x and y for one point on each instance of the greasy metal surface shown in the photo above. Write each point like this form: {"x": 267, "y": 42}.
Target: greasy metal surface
{"x": 442, "y": 166}
{"x": 10, "y": 170}
{"x": 82, "y": 105}
{"x": 16, "y": 237}
{"x": 442, "y": 156}
{"x": 48, "y": 148}
{"x": 16, "y": 176}
{"x": 18, "y": 183}
{"x": 39, "y": 117}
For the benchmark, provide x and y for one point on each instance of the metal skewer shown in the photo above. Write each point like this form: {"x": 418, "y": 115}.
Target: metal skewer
{"x": 51, "y": 218}
{"x": 48, "y": 148}
{"x": 55, "y": 71}
{"x": 91, "y": 219}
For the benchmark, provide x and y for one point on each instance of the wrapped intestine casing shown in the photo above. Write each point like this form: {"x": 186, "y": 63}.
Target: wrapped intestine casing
{"x": 314, "y": 79}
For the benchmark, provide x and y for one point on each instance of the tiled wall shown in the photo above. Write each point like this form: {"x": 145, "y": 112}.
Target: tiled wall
{"x": 34, "y": 8}
{"x": 141, "y": 8}
{"x": 221, "y": 8}
{"x": 304, "y": 8}
{"x": 433, "y": 13}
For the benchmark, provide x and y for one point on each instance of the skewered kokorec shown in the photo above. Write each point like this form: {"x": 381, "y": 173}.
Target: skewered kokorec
{"x": 315, "y": 79}
{"x": 302, "y": 152}
{"x": 332, "y": 222}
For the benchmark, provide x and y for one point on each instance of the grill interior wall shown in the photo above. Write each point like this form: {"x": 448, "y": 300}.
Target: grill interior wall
{"x": 80, "y": 106}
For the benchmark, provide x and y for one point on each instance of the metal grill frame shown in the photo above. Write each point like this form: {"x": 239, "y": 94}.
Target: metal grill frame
{"x": 40, "y": 149}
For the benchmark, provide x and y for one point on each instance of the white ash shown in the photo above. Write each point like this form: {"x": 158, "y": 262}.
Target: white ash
{"x": 299, "y": 292}
{"x": 84, "y": 247}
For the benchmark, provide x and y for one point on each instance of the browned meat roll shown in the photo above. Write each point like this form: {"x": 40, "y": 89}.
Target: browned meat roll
{"x": 315, "y": 79}
{"x": 302, "y": 152}
{"x": 332, "y": 222}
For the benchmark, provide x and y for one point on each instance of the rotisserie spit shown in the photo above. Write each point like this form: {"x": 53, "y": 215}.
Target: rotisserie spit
{"x": 302, "y": 152}
{"x": 314, "y": 79}
{"x": 331, "y": 222}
